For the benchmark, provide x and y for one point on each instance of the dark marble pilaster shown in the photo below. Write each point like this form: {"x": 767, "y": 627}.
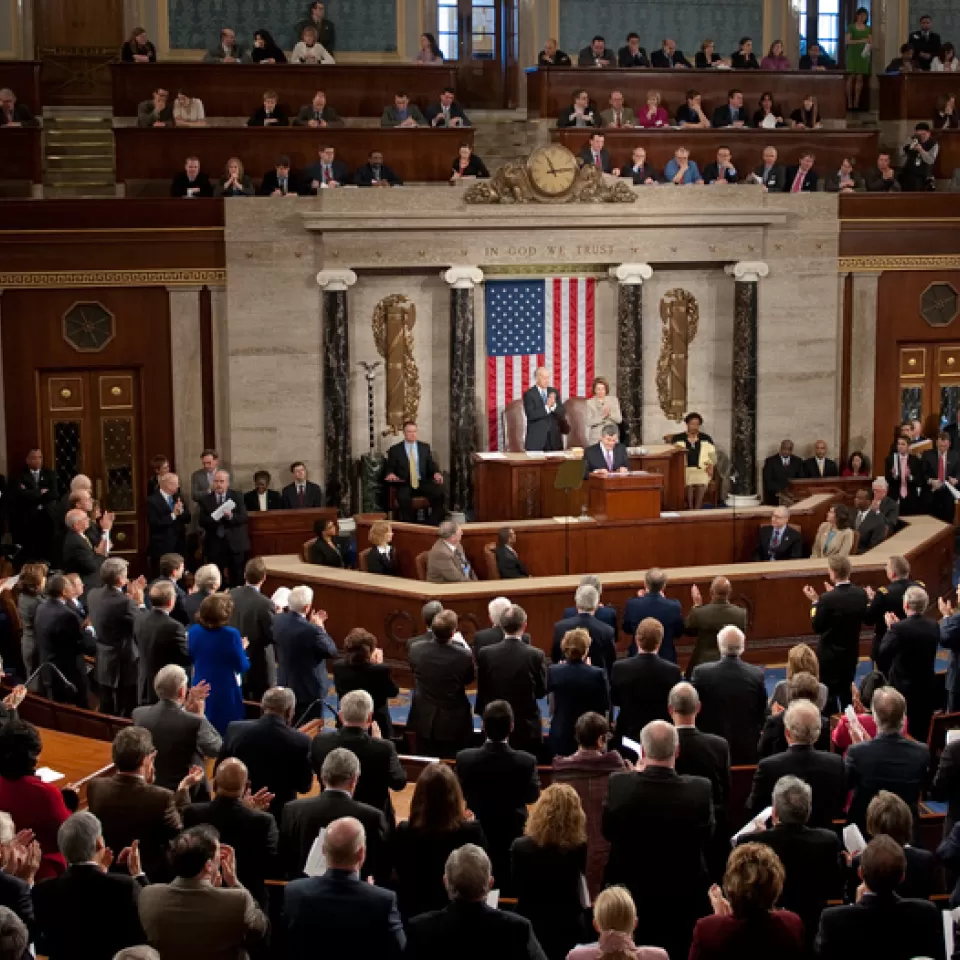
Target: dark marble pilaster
{"x": 335, "y": 364}
{"x": 629, "y": 389}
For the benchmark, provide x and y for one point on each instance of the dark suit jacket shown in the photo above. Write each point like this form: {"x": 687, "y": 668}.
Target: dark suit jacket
{"x": 603, "y": 639}
{"x": 79, "y": 557}
{"x": 711, "y": 174}
{"x": 929, "y": 461}
{"x": 789, "y": 548}
{"x": 543, "y": 429}
{"x": 586, "y": 155}
{"x": 669, "y": 614}
{"x": 706, "y": 755}
{"x": 888, "y": 762}
{"x": 639, "y": 175}
{"x": 591, "y": 117}
{"x": 252, "y": 502}
{"x": 181, "y": 183}
{"x": 365, "y": 176}
{"x": 307, "y": 113}
{"x": 774, "y": 179}
{"x": 907, "y": 656}
{"x": 704, "y": 623}
{"x": 872, "y": 529}
{"x": 399, "y": 464}
{"x": 723, "y": 116}
{"x": 113, "y": 615}
{"x": 810, "y": 468}
{"x": 627, "y": 59}
{"x": 233, "y": 528}
{"x": 594, "y": 458}
{"x": 15, "y": 895}
{"x": 640, "y": 686}
{"x": 168, "y": 534}
{"x": 184, "y": 609}
{"x": 733, "y": 704}
{"x": 773, "y": 737}
{"x": 489, "y": 636}
{"x": 823, "y": 771}
{"x": 101, "y": 905}
{"x": 192, "y": 604}
{"x": 509, "y": 564}
{"x": 312, "y": 496}
{"x": 456, "y": 112}
{"x": 659, "y": 60}
{"x": 259, "y": 116}
{"x": 440, "y": 709}
{"x": 253, "y": 616}
{"x": 516, "y": 672}
{"x": 587, "y": 58}
{"x": 387, "y": 565}
{"x": 338, "y": 170}
{"x": 887, "y": 599}
{"x": 345, "y": 914}
{"x": 160, "y": 640}
{"x": 302, "y": 647}
{"x": 59, "y": 639}
{"x": 810, "y": 180}
{"x": 777, "y": 477}
{"x": 837, "y": 617}
{"x": 914, "y": 484}
{"x": 271, "y": 182}
{"x": 576, "y": 689}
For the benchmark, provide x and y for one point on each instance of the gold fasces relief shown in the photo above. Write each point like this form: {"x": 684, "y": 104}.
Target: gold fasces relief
{"x": 393, "y": 321}
{"x": 680, "y": 317}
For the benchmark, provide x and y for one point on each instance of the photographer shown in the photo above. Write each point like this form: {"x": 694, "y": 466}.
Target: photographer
{"x": 920, "y": 154}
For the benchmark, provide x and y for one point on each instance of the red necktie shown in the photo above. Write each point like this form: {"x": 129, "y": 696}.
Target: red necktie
{"x": 941, "y": 467}
{"x": 596, "y": 159}
{"x": 797, "y": 182}
{"x": 903, "y": 477}
{"x": 618, "y": 118}
{"x": 300, "y": 496}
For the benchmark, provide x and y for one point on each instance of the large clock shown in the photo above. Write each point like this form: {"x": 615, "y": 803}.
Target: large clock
{"x": 88, "y": 327}
{"x": 553, "y": 171}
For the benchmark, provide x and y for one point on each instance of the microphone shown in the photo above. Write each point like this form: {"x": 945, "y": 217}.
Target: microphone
{"x": 306, "y": 713}
{"x": 71, "y": 688}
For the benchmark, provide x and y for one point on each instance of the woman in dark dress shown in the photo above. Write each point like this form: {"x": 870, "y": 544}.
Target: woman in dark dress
{"x": 265, "y": 49}
{"x": 439, "y": 824}
{"x": 467, "y": 164}
{"x": 549, "y": 863}
{"x": 574, "y": 688}
{"x": 699, "y": 466}
{"x": 138, "y": 49}
{"x": 362, "y": 668}
{"x": 382, "y": 558}
{"x": 324, "y": 550}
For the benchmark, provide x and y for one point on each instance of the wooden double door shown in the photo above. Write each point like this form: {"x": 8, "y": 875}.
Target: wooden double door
{"x": 91, "y": 423}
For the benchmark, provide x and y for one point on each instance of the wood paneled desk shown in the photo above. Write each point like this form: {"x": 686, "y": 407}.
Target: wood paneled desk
{"x": 23, "y": 78}
{"x": 829, "y": 146}
{"x": 913, "y": 96}
{"x": 79, "y": 759}
{"x": 21, "y": 155}
{"x": 843, "y": 488}
{"x": 516, "y": 486}
{"x": 145, "y": 154}
{"x": 236, "y": 89}
{"x": 551, "y": 90}
{"x": 948, "y": 158}
{"x": 284, "y": 531}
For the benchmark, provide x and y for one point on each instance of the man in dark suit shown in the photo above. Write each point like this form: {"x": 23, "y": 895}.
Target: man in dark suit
{"x": 582, "y": 113}
{"x": 167, "y": 518}
{"x": 89, "y": 898}
{"x": 881, "y": 924}
{"x": 884, "y": 504}
{"x": 890, "y": 761}
{"x": 778, "y": 540}
{"x": 604, "y": 614}
{"x": 597, "y": 54}
{"x": 904, "y": 475}
{"x": 659, "y": 825}
{"x": 509, "y": 564}
{"x": 226, "y": 539}
{"x": 60, "y": 641}
{"x": 733, "y": 697}
{"x": 668, "y": 57}
{"x": 302, "y": 493}
{"x": 33, "y": 493}
{"x": 261, "y": 497}
{"x": 732, "y": 113}
{"x": 159, "y": 638}
{"x": 114, "y": 609}
{"x": 276, "y": 756}
{"x": 78, "y": 555}
{"x": 544, "y": 411}
{"x": 171, "y": 567}
{"x": 802, "y": 178}
{"x": 778, "y": 471}
{"x": 380, "y": 770}
{"x": 253, "y": 616}
{"x": 867, "y": 522}
{"x": 650, "y": 602}
{"x": 427, "y": 612}
{"x": 603, "y": 638}
{"x": 303, "y": 646}
{"x": 820, "y": 465}
{"x": 517, "y": 673}
{"x": 248, "y": 828}
{"x": 446, "y": 112}
{"x": 608, "y": 456}
{"x": 326, "y": 170}
{"x": 838, "y": 616}
{"x": 303, "y": 819}
{"x": 632, "y": 55}
{"x": 819, "y": 768}
{"x": 640, "y": 686}
{"x": 338, "y": 908}
{"x": 595, "y": 154}
{"x": 440, "y": 717}
{"x": 771, "y": 174}
{"x": 498, "y": 784}
{"x": 722, "y": 169}
{"x": 940, "y": 467}
{"x": 411, "y": 466}
{"x": 281, "y": 180}
{"x": 925, "y": 44}
{"x": 888, "y": 599}
{"x": 270, "y": 113}
{"x": 191, "y": 182}
{"x": 375, "y": 173}
{"x": 494, "y": 633}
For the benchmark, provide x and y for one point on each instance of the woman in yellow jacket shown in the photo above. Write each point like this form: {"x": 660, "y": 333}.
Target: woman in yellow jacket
{"x": 835, "y": 536}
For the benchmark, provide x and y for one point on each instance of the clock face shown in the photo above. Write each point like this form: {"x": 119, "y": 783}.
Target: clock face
{"x": 88, "y": 327}
{"x": 553, "y": 170}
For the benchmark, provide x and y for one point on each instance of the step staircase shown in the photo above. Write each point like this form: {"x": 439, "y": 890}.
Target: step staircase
{"x": 78, "y": 152}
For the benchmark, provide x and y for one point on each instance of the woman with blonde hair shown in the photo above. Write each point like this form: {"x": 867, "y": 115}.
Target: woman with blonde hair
{"x": 382, "y": 558}
{"x": 800, "y": 659}
{"x": 548, "y": 865}
{"x": 234, "y": 182}
{"x": 654, "y": 114}
{"x": 615, "y": 919}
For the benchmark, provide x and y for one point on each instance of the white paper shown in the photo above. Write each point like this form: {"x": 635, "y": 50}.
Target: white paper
{"x": 227, "y": 505}
{"x": 536, "y": 454}
{"x": 584, "y": 893}
{"x": 670, "y": 513}
{"x": 493, "y": 899}
{"x": 418, "y": 758}
{"x": 316, "y": 861}
{"x": 953, "y": 490}
{"x": 853, "y": 839}
{"x": 637, "y": 748}
{"x": 866, "y": 49}
{"x": 751, "y": 827}
{"x": 950, "y": 918}
{"x": 47, "y": 775}
{"x": 953, "y": 735}
{"x": 492, "y": 455}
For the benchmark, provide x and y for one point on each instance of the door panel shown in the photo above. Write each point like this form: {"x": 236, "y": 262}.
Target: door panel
{"x": 473, "y": 34}
{"x": 929, "y": 387}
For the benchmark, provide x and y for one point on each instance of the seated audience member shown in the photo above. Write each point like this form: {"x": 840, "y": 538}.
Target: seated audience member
{"x": 265, "y": 49}
{"x": 816, "y": 59}
{"x": 904, "y": 63}
{"x": 403, "y": 113}
{"x": 375, "y": 173}
{"x": 215, "y": 914}
{"x": 618, "y": 115}
{"x": 429, "y": 53}
{"x": 857, "y": 465}
{"x": 363, "y": 669}
{"x": 310, "y": 50}
{"x": 552, "y": 56}
{"x": 722, "y": 170}
{"x": 800, "y": 659}
{"x": 596, "y": 54}
{"x": 653, "y": 114}
{"x": 302, "y": 493}
{"x": 778, "y": 540}
{"x": 691, "y": 114}
{"x": 775, "y": 58}
{"x": 835, "y": 535}
{"x": 733, "y": 697}
{"x": 632, "y": 54}
{"x": 638, "y": 170}
{"x": 745, "y": 922}
{"x": 327, "y": 171}
{"x": 607, "y": 455}
{"x": 867, "y": 522}
{"x": 668, "y": 56}
{"x": 782, "y": 467}
{"x": 731, "y": 114}
{"x": 447, "y": 113}
{"x": 318, "y": 113}
{"x": 547, "y": 865}
{"x": 88, "y": 897}
{"x": 705, "y": 620}
{"x": 382, "y": 557}
{"x": 188, "y": 111}
{"x": 744, "y": 58}
{"x": 14, "y": 114}
{"x": 888, "y": 815}
{"x": 324, "y": 27}
{"x": 946, "y": 60}
{"x": 138, "y": 48}
{"x": 768, "y": 116}
{"x": 574, "y": 687}
{"x": 615, "y": 919}
{"x": 581, "y": 114}
{"x": 509, "y": 564}
{"x": 411, "y": 466}
{"x": 707, "y": 56}
{"x": 261, "y": 497}
{"x": 807, "y": 115}
{"x": 271, "y": 114}
{"x": 467, "y": 164}
{"x": 650, "y": 602}
{"x": 191, "y": 182}
{"x": 919, "y": 157}
{"x": 228, "y": 50}
{"x": 157, "y": 111}
{"x": 280, "y": 181}
{"x": 771, "y": 173}
{"x": 478, "y": 929}
{"x": 603, "y": 637}
{"x": 945, "y": 116}
{"x": 845, "y": 180}
{"x": 680, "y": 169}
{"x": 234, "y": 182}
{"x": 880, "y": 923}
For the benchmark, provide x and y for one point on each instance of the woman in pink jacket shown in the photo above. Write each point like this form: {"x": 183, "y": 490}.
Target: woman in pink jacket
{"x": 615, "y": 918}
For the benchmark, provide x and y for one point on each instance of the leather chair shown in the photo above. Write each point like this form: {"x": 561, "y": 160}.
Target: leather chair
{"x": 305, "y": 549}
{"x": 420, "y": 562}
{"x": 393, "y": 505}
{"x": 362, "y": 560}
{"x": 490, "y": 558}
{"x": 515, "y": 424}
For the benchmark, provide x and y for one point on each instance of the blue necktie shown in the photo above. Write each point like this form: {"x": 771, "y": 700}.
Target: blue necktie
{"x": 543, "y": 393}
{"x": 170, "y": 502}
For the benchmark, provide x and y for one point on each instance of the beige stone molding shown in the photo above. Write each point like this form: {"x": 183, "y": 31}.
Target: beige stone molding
{"x": 748, "y": 271}
{"x": 37, "y": 279}
{"x": 462, "y": 278}
{"x": 334, "y": 281}
{"x": 631, "y": 274}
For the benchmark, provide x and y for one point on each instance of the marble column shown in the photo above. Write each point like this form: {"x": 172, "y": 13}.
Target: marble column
{"x": 188, "y": 440}
{"x": 863, "y": 360}
{"x": 336, "y": 387}
{"x": 743, "y": 432}
{"x": 463, "y": 385}
{"x": 629, "y": 390}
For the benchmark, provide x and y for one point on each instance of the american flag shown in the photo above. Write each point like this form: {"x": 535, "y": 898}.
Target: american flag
{"x": 537, "y": 323}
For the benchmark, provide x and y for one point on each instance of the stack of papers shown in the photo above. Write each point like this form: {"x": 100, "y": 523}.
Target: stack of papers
{"x": 47, "y": 775}
{"x": 751, "y": 827}
{"x": 316, "y": 864}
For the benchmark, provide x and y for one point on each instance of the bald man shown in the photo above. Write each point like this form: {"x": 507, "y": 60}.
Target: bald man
{"x": 778, "y": 540}
{"x": 544, "y": 412}
{"x": 247, "y": 827}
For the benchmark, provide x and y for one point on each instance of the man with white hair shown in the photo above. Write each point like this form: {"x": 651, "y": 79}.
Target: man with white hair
{"x": 543, "y": 409}
{"x": 659, "y": 825}
{"x": 207, "y": 582}
{"x": 487, "y": 637}
{"x": 603, "y": 613}
{"x": 349, "y": 917}
{"x": 14, "y": 938}
{"x": 888, "y": 599}
{"x": 603, "y": 638}
{"x": 78, "y": 555}
{"x": 884, "y": 504}
{"x": 303, "y": 646}
{"x": 223, "y": 517}
{"x": 380, "y": 769}
{"x": 446, "y": 561}
{"x": 733, "y": 697}
{"x": 778, "y": 540}
{"x": 907, "y": 658}
{"x": 167, "y": 518}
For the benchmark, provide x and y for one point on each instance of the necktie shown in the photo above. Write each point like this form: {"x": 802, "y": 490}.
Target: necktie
{"x": 219, "y": 499}
{"x": 376, "y": 173}
{"x": 618, "y": 118}
{"x": 596, "y": 159}
{"x": 820, "y": 467}
{"x": 326, "y": 173}
{"x": 36, "y": 476}
{"x": 414, "y": 474}
{"x": 786, "y": 461}
{"x": 860, "y": 517}
{"x": 797, "y": 182}
{"x": 903, "y": 477}
{"x": 317, "y": 116}
{"x": 464, "y": 564}
{"x": 299, "y": 495}
{"x": 777, "y": 537}
{"x": 283, "y": 185}
{"x": 170, "y": 503}
{"x": 609, "y": 456}
{"x": 543, "y": 394}
{"x": 941, "y": 468}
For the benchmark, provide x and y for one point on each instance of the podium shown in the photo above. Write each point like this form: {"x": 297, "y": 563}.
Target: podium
{"x": 624, "y": 496}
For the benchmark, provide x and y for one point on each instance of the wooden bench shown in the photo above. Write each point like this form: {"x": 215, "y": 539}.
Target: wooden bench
{"x": 913, "y": 96}
{"x": 21, "y": 156}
